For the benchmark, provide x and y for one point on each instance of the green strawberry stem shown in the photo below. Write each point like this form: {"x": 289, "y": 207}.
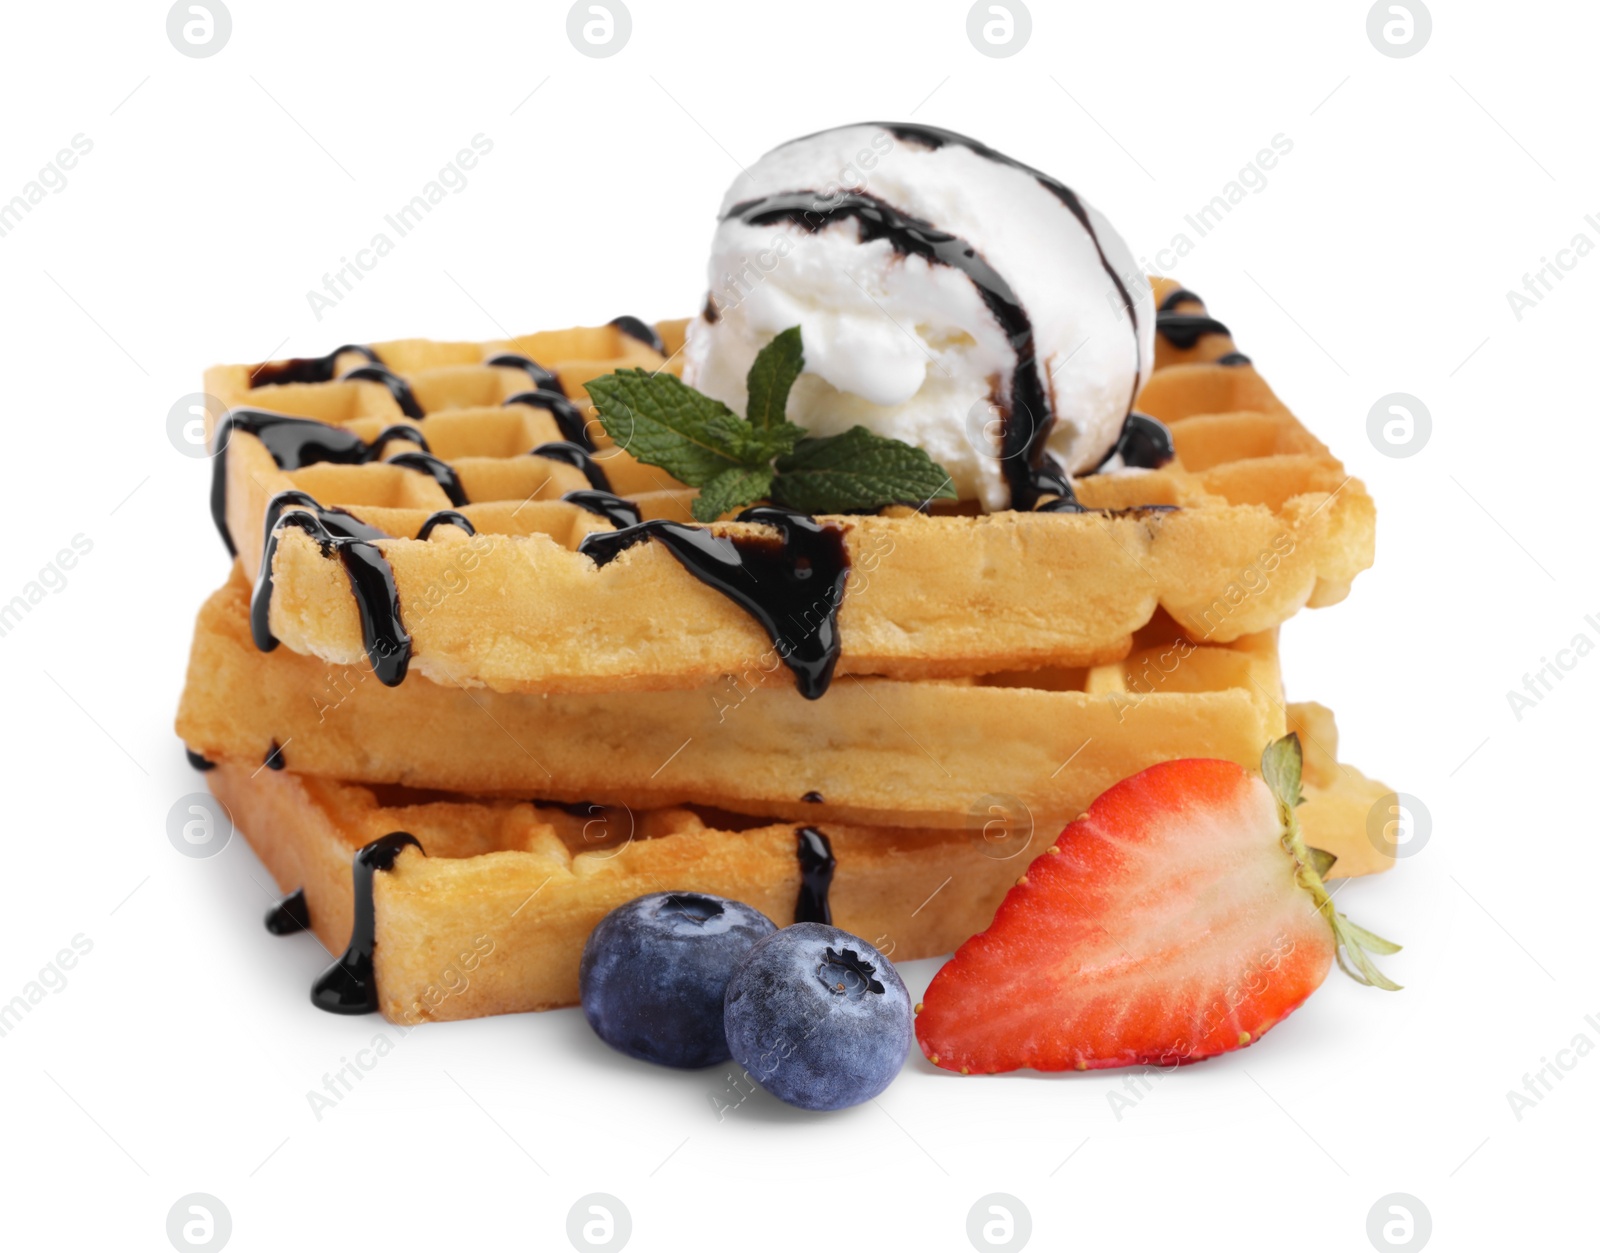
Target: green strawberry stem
{"x": 1281, "y": 766}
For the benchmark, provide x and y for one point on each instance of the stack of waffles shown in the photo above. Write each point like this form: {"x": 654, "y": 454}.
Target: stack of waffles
{"x": 459, "y": 725}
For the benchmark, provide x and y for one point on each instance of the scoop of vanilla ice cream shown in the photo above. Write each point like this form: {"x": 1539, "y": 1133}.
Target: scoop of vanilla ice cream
{"x": 905, "y": 344}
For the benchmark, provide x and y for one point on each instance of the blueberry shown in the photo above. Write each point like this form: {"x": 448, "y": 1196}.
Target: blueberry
{"x": 818, "y": 1017}
{"x": 655, "y": 970}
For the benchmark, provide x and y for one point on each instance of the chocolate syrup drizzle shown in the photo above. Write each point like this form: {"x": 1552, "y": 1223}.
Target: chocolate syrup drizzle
{"x": 349, "y": 985}
{"x": 440, "y": 472}
{"x": 377, "y": 372}
{"x": 817, "y": 863}
{"x": 639, "y": 329}
{"x": 576, "y": 455}
{"x": 293, "y": 443}
{"x": 936, "y": 137}
{"x": 197, "y": 761}
{"x": 306, "y": 369}
{"x": 792, "y": 584}
{"x": 1145, "y": 443}
{"x": 616, "y": 510}
{"x": 445, "y": 517}
{"x": 1183, "y": 330}
{"x": 568, "y": 420}
{"x": 383, "y": 635}
{"x": 1029, "y": 415}
{"x": 543, "y": 380}
{"x": 290, "y": 915}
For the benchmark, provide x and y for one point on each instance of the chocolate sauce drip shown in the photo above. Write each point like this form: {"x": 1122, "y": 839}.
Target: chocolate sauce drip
{"x": 293, "y": 443}
{"x": 1028, "y": 416}
{"x": 1183, "y": 330}
{"x": 1145, "y": 443}
{"x": 1067, "y": 502}
{"x": 349, "y": 986}
{"x": 306, "y": 369}
{"x": 274, "y": 758}
{"x": 445, "y": 517}
{"x": 440, "y": 472}
{"x": 1050, "y": 479}
{"x": 817, "y": 862}
{"x": 377, "y": 372}
{"x": 290, "y": 915}
{"x": 791, "y": 583}
{"x": 383, "y": 635}
{"x": 197, "y": 761}
{"x": 937, "y": 137}
{"x": 1179, "y": 296}
{"x": 614, "y": 509}
{"x": 639, "y": 329}
{"x": 1232, "y": 358}
{"x": 568, "y": 420}
{"x": 543, "y": 379}
{"x": 569, "y": 453}
{"x": 812, "y": 798}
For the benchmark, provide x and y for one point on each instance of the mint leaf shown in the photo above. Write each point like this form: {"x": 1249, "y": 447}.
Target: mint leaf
{"x": 761, "y": 445}
{"x": 664, "y": 422}
{"x": 730, "y": 490}
{"x": 771, "y": 376}
{"x": 857, "y": 470}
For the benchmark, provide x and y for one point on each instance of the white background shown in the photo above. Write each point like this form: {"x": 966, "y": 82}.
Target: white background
{"x": 1377, "y": 259}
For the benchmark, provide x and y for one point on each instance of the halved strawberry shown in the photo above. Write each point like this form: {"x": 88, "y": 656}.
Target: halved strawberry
{"x": 1181, "y": 917}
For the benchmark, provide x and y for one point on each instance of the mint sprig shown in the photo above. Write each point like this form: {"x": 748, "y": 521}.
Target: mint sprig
{"x": 736, "y": 461}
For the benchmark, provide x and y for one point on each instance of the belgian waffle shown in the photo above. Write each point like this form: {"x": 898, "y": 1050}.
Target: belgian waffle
{"x": 882, "y": 752}
{"x": 488, "y": 913}
{"x": 473, "y": 544}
